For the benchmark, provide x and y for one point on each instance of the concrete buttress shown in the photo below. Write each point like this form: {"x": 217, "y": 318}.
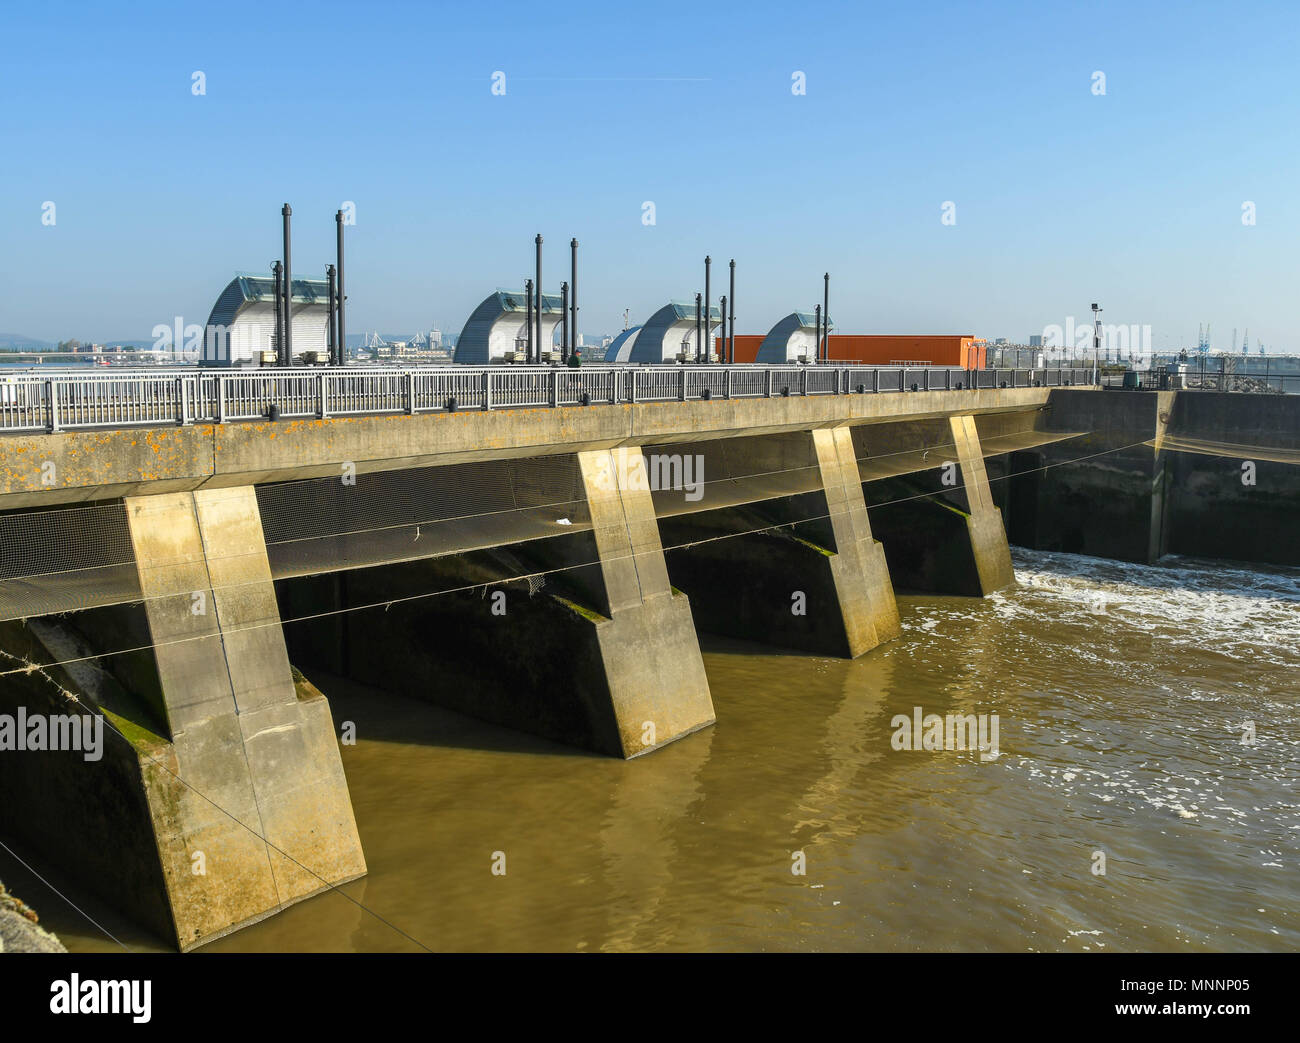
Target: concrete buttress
{"x": 988, "y": 537}
{"x": 651, "y": 655}
{"x": 866, "y": 594}
{"x": 801, "y": 571}
{"x": 251, "y": 788}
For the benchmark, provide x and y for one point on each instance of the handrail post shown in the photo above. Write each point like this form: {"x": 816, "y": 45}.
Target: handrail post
{"x": 487, "y": 390}
{"x": 408, "y": 379}
{"x": 726, "y": 383}
{"x": 320, "y": 396}
{"x": 555, "y": 387}
{"x": 682, "y": 393}
{"x": 221, "y": 398}
{"x": 769, "y": 383}
{"x": 632, "y": 375}
{"x": 803, "y": 381}
{"x": 52, "y": 399}
{"x": 181, "y": 397}
{"x": 875, "y": 380}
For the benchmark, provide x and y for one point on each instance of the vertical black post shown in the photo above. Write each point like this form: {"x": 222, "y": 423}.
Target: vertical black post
{"x": 731, "y": 296}
{"x": 342, "y": 339}
{"x": 564, "y": 322}
{"x": 708, "y": 317}
{"x": 826, "y": 316}
{"x": 277, "y": 270}
{"x": 817, "y": 325}
{"x": 573, "y": 293}
{"x": 697, "y": 328}
{"x": 538, "y": 289}
{"x": 331, "y": 327}
{"x": 528, "y": 321}
{"x": 286, "y": 358}
{"x": 722, "y": 349}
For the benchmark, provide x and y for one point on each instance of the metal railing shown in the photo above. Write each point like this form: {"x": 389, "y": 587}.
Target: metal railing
{"x": 1202, "y": 379}
{"x": 36, "y": 402}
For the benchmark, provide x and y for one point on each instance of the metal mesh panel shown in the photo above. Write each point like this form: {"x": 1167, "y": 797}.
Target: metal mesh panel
{"x": 64, "y": 559}
{"x": 322, "y": 524}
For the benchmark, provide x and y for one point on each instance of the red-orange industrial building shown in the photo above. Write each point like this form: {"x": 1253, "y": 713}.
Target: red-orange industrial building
{"x": 964, "y": 350}
{"x": 746, "y": 347}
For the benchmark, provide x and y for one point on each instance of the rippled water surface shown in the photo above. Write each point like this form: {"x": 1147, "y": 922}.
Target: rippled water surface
{"x": 1121, "y": 691}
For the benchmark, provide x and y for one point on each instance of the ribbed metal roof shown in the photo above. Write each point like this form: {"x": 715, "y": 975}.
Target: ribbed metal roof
{"x": 245, "y": 289}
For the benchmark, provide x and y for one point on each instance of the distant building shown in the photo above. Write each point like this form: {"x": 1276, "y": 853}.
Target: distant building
{"x": 669, "y": 334}
{"x": 792, "y": 339}
{"x": 1036, "y": 340}
{"x": 241, "y": 328}
{"x": 620, "y": 348}
{"x": 495, "y": 330}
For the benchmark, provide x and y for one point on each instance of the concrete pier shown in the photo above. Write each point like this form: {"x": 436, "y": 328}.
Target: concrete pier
{"x": 600, "y": 653}
{"x": 813, "y": 578}
{"x": 251, "y": 787}
{"x": 988, "y": 537}
{"x": 941, "y": 528}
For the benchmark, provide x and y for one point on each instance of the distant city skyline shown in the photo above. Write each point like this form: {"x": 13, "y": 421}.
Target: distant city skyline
{"x": 954, "y": 172}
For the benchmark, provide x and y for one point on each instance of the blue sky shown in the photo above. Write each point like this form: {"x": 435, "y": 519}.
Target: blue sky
{"x": 1133, "y": 199}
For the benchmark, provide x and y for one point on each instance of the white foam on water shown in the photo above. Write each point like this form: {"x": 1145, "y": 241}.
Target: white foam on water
{"x": 1246, "y": 613}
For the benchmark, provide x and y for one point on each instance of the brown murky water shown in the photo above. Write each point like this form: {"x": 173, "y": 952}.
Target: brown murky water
{"x": 1121, "y": 694}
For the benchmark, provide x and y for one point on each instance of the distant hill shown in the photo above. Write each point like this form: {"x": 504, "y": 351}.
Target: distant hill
{"x": 18, "y": 341}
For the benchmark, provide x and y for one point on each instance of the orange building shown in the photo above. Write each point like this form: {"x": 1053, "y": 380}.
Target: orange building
{"x": 871, "y": 349}
{"x": 883, "y": 350}
{"x": 746, "y": 347}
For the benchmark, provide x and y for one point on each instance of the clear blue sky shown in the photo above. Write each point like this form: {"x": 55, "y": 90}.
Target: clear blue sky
{"x": 1062, "y": 197}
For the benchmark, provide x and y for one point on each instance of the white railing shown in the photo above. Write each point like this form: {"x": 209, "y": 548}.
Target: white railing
{"x": 75, "y": 400}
